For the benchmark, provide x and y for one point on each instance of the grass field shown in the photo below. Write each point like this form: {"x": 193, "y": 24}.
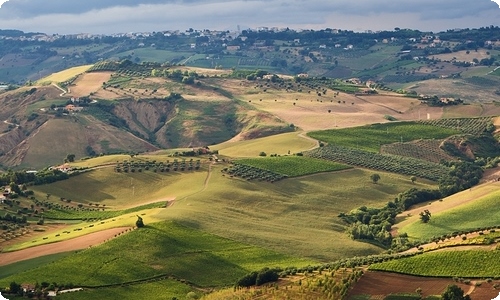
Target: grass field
{"x": 278, "y": 144}
{"x": 293, "y": 165}
{"x": 153, "y": 55}
{"x": 469, "y": 264}
{"x": 66, "y": 74}
{"x": 282, "y": 211}
{"x": 371, "y": 137}
{"x": 161, "y": 248}
{"x": 480, "y": 213}
{"x": 167, "y": 289}
{"x": 119, "y": 190}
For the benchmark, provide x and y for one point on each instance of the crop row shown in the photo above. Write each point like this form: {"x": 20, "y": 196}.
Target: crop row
{"x": 252, "y": 173}
{"x": 389, "y": 163}
{"x": 293, "y": 165}
{"x": 465, "y": 125}
{"x": 104, "y": 66}
{"x": 472, "y": 264}
{"x": 428, "y": 150}
{"x": 372, "y": 137}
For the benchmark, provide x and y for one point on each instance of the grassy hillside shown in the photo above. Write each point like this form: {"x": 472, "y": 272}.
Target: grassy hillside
{"x": 279, "y": 144}
{"x": 479, "y": 213}
{"x": 159, "y": 249}
{"x": 281, "y": 211}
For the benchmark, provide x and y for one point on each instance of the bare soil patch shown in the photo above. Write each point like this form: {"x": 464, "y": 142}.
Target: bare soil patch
{"x": 78, "y": 243}
{"x": 381, "y": 284}
{"x": 88, "y": 83}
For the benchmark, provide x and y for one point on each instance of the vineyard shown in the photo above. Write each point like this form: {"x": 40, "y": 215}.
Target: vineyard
{"x": 465, "y": 125}
{"x": 292, "y": 166}
{"x": 253, "y": 62}
{"x": 175, "y": 165}
{"x": 372, "y": 137}
{"x": 389, "y": 163}
{"x": 471, "y": 264}
{"x": 252, "y": 173}
{"x": 428, "y": 150}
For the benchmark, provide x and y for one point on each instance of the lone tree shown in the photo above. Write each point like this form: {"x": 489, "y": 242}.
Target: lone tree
{"x": 375, "y": 177}
{"x": 70, "y": 158}
{"x": 425, "y": 216}
{"x": 454, "y": 292}
{"x": 413, "y": 179}
{"x": 139, "y": 223}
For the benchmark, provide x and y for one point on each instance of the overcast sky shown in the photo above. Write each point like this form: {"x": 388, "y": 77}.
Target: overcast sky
{"x": 117, "y": 16}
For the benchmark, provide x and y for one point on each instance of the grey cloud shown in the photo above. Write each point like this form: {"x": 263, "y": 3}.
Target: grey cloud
{"x": 101, "y": 16}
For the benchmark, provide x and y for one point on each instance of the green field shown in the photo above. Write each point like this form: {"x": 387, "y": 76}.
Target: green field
{"x": 150, "y": 54}
{"x": 281, "y": 211}
{"x": 167, "y": 289}
{"x": 480, "y": 213}
{"x": 371, "y": 137}
{"x": 122, "y": 190}
{"x": 277, "y": 144}
{"x": 165, "y": 248}
{"x": 469, "y": 264}
{"x": 293, "y": 165}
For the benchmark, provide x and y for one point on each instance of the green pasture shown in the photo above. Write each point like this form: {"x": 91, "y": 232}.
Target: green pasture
{"x": 154, "y": 55}
{"x": 164, "y": 248}
{"x": 36, "y": 106}
{"x": 167, "y": 289}
{"x": 124, "y": 190}
{"x": 277, "y": 144}
{"x": 371, "y": 137}
{"x": 297, "y": 216}
{"x": 379, "y": 55}
{"x": 469, "y": 264}
{"x": 293, "y": 165}
{"x": 476, "y": 71}
{"x": 480, "y": 213}
{"x": 496, "y": 72}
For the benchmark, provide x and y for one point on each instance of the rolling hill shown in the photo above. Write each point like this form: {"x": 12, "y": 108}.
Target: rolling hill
{"x": 190, "y": 151}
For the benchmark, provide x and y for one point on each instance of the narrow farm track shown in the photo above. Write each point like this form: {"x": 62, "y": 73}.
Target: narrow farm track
{"x": 78, "y": 243}
{"x": 304, "y": 136}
